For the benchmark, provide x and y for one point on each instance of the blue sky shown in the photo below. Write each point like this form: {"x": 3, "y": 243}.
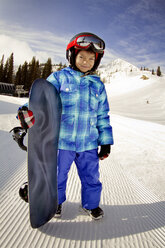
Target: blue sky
{"x": 133, "y": 30}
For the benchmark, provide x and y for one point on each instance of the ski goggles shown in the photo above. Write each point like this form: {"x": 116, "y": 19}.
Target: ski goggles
{"x": 85, "y": 41}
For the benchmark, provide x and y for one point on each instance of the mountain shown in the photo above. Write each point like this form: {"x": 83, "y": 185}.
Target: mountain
{"x": 117, "y": 68}
{"x": 118, "y": 65}
{"x": 124, "y": 77}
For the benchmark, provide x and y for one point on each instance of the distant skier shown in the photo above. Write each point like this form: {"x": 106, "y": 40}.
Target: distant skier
{"x": 85, "y": 121}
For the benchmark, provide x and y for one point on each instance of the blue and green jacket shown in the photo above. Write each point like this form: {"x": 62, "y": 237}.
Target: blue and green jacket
{"x": 85, "y": 123}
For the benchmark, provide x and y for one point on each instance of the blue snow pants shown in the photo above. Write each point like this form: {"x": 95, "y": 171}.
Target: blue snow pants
{"x": 87, "y": 164}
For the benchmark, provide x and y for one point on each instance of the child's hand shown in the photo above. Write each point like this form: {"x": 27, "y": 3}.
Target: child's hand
{"x": 26, "y": 117}
{"x": 104, "y": 152}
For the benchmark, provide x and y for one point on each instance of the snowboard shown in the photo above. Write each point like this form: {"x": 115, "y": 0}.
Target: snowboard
{"x": 42, "y": 149}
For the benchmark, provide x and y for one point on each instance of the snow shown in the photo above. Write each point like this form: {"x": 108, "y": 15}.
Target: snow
{"x": 118, "y": 65}
{"x": 122, "y": 77}
{"x": 139, "y": 141}
{"x": 140, "y": 148}
{"x": 132, "y": 176}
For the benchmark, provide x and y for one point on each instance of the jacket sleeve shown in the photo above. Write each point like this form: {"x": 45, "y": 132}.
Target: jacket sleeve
{"x": 103, "y": 120}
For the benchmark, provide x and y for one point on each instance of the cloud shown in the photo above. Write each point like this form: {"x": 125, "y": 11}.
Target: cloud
{"x": 29, "y": 43}
{"x": 21, "y": 49}
{"x": 141, "y": 47}
{"x": 139, "y": 34}
{"x": 149, "y": 10}
{"x": 146, "y": 55}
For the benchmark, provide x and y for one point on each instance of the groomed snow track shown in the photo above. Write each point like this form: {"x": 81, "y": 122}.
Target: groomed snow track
{"x": 134, "y": 217}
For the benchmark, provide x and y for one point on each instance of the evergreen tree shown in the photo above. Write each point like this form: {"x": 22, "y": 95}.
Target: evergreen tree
{"x": 47, "y": 70}
{"x": 158, "y": 71}
{"x": 18, "y": 77}
{"x": 60, "y": 66}
{"x": 10, "y": 70}
{"x": 37, "y": 70}
{"x": 33, "y": 72}
{"x": 24, "y": 75}
{"x": 1, "y": 68}
{"x": 5, "y": 71}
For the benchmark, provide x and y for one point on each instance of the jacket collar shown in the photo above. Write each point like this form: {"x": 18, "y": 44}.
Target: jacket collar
{"x": 81, "y": 74}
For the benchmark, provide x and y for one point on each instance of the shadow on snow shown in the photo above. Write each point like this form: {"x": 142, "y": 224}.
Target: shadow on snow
{"x": 119, "y": 220}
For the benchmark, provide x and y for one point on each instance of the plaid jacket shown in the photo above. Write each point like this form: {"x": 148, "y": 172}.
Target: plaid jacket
{"x": 85, "y": 120}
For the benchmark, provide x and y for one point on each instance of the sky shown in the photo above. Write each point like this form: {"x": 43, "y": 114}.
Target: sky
{"x": 133, "y": 30}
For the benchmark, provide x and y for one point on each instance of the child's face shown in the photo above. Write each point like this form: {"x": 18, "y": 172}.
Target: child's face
{"x": 85, "y": 60}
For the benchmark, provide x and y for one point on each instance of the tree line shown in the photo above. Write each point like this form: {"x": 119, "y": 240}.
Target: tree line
{"x": 158, "y": 71}
{"x": 26, "y": 73}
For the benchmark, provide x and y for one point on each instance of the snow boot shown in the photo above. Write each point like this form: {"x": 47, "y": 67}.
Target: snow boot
{"x": 96, "y": 213}
{"x": 58, "y": 212}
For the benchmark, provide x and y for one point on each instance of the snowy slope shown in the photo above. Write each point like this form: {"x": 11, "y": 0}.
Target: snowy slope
{"x": 133, "y": 177}
{"x": 122, "y": 82}
{"x": 124, "y": 77}
{"x": 132, "y": 198}
{"x": 134, "y": 93}
{"x": 145, "y": 103}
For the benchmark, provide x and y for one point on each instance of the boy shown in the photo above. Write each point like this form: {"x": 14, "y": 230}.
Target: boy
{"x": 84, "y": 122}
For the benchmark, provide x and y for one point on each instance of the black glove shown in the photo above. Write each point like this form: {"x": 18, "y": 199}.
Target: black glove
{"x": 104, "y": 151}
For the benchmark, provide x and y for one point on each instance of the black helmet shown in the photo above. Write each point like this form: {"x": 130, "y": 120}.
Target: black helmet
{"x": 85, "y": 41}
{"x": 23, "y": 192}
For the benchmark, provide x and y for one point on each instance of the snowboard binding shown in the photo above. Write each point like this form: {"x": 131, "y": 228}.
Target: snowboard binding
{"x": 23, "y": 192}
{"x": 18, "y": 134}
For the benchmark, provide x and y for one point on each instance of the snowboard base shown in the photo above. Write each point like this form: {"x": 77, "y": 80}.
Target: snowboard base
{"x": 43, "y": 137}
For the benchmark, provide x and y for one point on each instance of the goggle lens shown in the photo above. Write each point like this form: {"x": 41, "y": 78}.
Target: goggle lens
{"x": 85, "y": 41}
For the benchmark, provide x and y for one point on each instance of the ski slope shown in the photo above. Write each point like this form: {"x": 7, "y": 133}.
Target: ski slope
{"x": 133, "y": 195}
{"x": 146, "y": 103}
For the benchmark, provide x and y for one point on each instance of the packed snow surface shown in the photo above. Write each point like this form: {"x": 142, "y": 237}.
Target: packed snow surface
{"x": 133, "y": 176}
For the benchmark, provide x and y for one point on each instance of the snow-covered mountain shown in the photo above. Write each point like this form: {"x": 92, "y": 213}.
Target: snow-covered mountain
{"x": 124, "y": 77}
{"x": 117, "y": 68}
{"x": 118, "y": 65}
